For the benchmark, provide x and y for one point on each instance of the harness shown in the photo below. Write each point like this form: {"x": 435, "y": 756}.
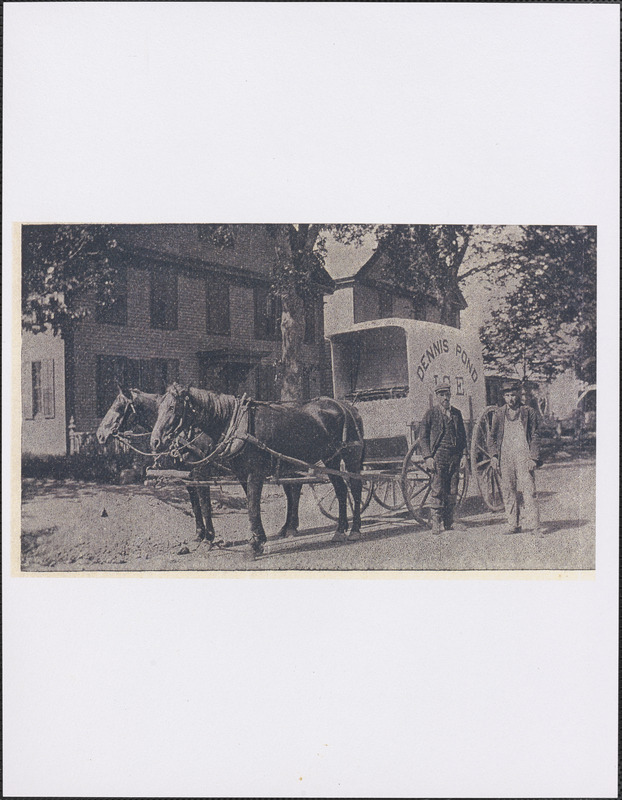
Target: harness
{"x": 125, "y": 436}
{"x": 232, "y": 440}
{"x": 240, "y": 431}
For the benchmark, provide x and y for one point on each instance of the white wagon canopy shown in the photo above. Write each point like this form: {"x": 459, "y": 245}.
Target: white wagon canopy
{"x": 390, "y": 368}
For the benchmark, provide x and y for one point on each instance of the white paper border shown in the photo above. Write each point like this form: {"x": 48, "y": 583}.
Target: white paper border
{"x": 451, "y": 112}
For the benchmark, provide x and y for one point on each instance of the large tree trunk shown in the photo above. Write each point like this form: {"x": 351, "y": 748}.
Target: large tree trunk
{"x": 292, "y": 318}
{"x": 292, "y": 331}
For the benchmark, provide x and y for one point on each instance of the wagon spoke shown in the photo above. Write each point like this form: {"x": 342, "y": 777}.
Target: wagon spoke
{"x": 482, "y": 450}
{"x": 386, "y": 492}
{"x": 422, "y": 489}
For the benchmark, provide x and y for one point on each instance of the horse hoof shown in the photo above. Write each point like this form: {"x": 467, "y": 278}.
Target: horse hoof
{"x": 339, "y": 536}
{"x": 257, "y": 548}
{"x": 354, "y": 536}
{"x": 282, "y": 534}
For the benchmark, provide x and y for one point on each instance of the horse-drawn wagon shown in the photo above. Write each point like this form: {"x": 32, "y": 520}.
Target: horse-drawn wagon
{"x": 364, "y": 440}
{"x": 389, "y": 369}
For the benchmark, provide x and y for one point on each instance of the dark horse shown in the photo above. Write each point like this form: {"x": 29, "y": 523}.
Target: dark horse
{"x": 133, "y": 407}
{"x": 322, "y": 430}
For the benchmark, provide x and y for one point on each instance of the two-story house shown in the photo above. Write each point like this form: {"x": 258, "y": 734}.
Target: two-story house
{"x": 363, "y": 293}
{"x": 187, "y": 310}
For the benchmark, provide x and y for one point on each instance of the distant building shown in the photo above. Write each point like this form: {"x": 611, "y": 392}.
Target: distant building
{"x": 188, "y": 311}
{"x": 366, "y": 295}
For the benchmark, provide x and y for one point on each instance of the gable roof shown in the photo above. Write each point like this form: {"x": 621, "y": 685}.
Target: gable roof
{"x": 370, "y": 274}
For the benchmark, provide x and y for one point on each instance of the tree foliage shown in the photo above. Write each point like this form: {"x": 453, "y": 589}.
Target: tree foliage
{"x": 546, "y": 322}
{"x": 63, "y": 268}
{"x": 424, "y": 260}
{"x": 542, "y": 319}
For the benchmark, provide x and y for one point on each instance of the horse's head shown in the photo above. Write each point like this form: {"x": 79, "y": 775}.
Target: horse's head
{"x": 118, "y": 416}
{"x": 174, "y": 409}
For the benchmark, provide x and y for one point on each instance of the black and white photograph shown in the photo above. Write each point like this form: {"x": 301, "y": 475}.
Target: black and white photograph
{"x": 310, "y": 337}
{"x": 308, "y": 397}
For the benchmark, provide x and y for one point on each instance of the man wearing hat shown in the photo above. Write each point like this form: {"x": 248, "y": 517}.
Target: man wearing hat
{"x": 514, "y": 448}
{"x": 444, "y": 446}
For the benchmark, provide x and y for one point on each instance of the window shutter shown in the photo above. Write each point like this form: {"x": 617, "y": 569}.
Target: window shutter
{"x": 48, "y": 388}
{"x": 27, "y": 389}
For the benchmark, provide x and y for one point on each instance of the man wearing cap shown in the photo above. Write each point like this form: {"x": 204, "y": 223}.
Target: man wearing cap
{"x": 444, "y": 446}
{"x": 514, "y": 449}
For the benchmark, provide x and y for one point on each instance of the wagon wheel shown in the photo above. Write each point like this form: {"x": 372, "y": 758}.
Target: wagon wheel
{"x": 328, "y": 504}
{"x": 388, "y": 494}
{"x": 416, "y": 484}
{"x": 488, "y": 480}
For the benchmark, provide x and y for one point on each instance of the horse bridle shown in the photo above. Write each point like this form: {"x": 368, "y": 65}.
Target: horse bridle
{"x": 123, "y": 419}
{"x": 181, "y": 425}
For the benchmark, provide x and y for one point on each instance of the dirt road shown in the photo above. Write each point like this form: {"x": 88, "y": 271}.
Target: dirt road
{"x": 65, "y": 529}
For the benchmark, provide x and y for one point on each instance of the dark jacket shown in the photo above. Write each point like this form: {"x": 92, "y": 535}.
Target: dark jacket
{"x": 433, "y": 427}
{"x": 529, "y": 418}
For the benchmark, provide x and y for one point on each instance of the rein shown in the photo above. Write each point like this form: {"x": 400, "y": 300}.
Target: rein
{"x": 224, "y": 443}
{"x": 122, "y": 437}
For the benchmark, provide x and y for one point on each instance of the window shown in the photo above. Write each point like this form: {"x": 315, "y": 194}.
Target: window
{"x": 385, "y": 304}
{"x": 163, "y": 299}
{"x": 217, "y": 308}
{"x": 112, "y": 301}
{"x": 148, "y": 374}
{"x": 310, "y": 322}
{"x": 268, "y": 311}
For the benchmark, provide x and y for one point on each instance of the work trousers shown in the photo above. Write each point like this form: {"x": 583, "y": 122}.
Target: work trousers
{"x": 444, "y": 484}
{"x": 518, "y": 487}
